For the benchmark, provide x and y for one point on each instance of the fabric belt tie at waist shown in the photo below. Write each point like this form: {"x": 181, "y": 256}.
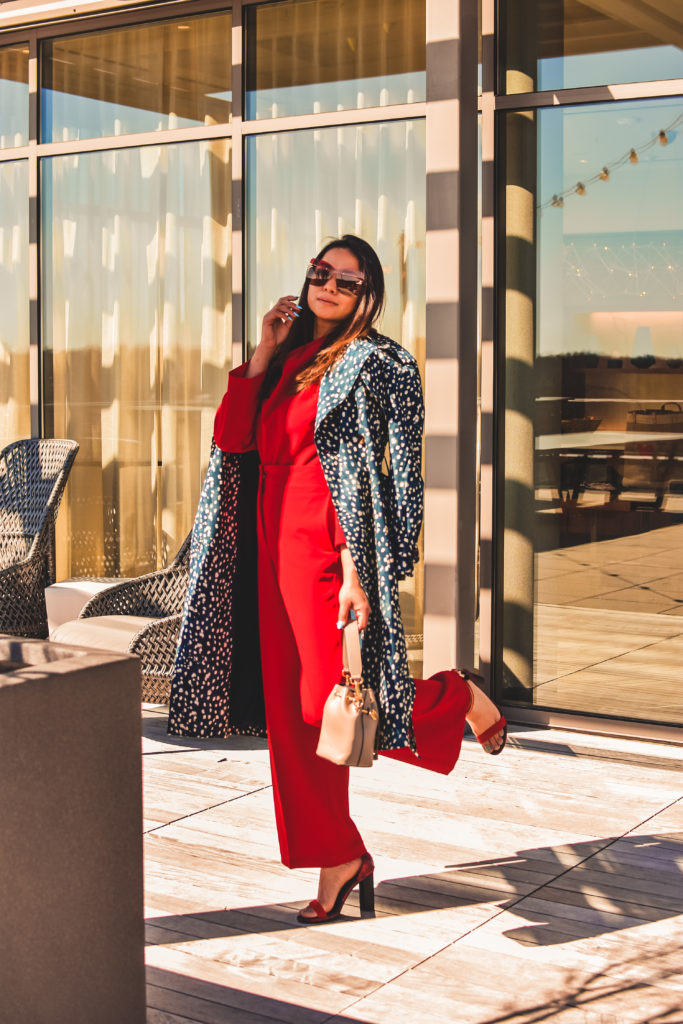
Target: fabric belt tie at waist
{"x": 277, "y": 471}
{"x": 270, "y": 469}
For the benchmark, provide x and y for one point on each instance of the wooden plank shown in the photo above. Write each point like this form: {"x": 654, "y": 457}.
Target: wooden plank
{"x": 529, "y": 831}
{"x": 464, "y": 985}
{"x": 162, "y": 1017}
{"x": 218, "y": 1010}
{"x": 590, "y": 911}
{"x": 638, "y": 861}
{"x": 646, "y": 891}
{"x": 235, "y": 983}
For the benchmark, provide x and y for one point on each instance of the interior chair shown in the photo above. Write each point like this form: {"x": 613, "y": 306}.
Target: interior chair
{"x": 140, "y": 616}
{"x": 33, "y": 475}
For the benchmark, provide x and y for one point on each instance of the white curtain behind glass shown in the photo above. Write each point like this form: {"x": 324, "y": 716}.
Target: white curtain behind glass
{"x": 15, "y": 410}
{"x": 137, "y": 319}
{"x": 307, "y": 187}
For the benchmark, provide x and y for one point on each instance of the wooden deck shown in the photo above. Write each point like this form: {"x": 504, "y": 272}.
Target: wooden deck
{"x": 544, "y": 885}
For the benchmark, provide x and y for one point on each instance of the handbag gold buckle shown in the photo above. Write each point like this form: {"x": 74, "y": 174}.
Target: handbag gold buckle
{"x": 354, "y": 694}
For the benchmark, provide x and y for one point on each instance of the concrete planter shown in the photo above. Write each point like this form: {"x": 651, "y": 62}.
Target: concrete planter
{"x": 72, "y": 934}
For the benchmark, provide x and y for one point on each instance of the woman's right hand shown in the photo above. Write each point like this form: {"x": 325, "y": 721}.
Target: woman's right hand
{"x": 276, "y": 325}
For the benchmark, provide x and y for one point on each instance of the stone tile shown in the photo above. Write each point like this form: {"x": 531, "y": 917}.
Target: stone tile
{"x": 633, "y": 600}
{"x": 669, "y": 586}
{"x": 568, "y": 587}
{"x": 632, "y": 572}
{"x": 667, "y": 557}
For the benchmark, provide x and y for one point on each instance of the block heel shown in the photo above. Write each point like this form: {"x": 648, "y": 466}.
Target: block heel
{"x": 366, "y": 892}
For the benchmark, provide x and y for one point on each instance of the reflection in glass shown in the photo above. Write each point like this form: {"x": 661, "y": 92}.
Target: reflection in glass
{"x": 15, "y": 409}
{"x": 312, "y": 56}
{"x": 593, "y": 573}
{"x": 168, "y": 74}
{"x": 137, "y": 318}
{"x": 559, "y": 44}
{"x": 306, "y": 187}
{"x": 13, "y": 95}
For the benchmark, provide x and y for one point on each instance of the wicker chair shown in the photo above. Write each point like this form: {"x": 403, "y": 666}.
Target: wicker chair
{"x": 33, "y": 475}
{"x": 140, "y": 616}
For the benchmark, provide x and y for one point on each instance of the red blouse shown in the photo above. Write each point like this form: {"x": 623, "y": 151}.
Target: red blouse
{"x": 283, "y": 434}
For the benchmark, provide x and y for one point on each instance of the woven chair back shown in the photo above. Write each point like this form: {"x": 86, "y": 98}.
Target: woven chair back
{"x": 33, "y": 474}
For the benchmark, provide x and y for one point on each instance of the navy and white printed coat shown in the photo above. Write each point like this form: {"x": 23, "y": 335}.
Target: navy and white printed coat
{"x": 368, "y": 434}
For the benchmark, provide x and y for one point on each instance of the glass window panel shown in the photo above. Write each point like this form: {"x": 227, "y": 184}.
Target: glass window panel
{"x": 313, "y": 56}
{"x": 15, "y": 401}
{"x": 168, "y": 74}
{"x": 137, "y": 328}
{"x": 13, "y": 95}
{"x": 593, "y": 573}
{"x": 306, "y": 187}
{"x": 559, "y": 44}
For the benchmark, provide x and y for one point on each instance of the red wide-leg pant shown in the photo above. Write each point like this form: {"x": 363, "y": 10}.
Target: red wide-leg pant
{"x": 299, "y": 576}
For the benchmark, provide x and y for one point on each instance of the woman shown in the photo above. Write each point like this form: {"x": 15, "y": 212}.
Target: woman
{"x": 322, "y": 400}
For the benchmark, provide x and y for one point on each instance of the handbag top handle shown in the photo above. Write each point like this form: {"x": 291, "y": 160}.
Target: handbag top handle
{"x": 351, "y": 648}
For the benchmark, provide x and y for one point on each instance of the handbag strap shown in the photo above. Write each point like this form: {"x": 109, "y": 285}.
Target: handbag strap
{"x": 351, "y": 650}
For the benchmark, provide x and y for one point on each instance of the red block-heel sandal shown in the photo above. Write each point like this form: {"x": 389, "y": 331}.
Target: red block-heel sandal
{"x": 499, "y": 727}
{"x": 363, "y": 878}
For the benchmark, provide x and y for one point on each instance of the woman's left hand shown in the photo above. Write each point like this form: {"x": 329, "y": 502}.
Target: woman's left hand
{"x": 351, "y": 594}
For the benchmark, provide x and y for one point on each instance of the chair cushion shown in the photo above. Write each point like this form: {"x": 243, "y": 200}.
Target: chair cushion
{"x": 64, "y": 600}
{"x": 106, "y": 632}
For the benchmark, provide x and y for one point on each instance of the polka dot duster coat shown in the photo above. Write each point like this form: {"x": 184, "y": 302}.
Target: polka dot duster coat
{"x": 368, "y": 434}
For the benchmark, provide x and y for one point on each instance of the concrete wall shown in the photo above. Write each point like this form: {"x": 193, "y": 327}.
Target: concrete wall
{"x": 71, "y": 940}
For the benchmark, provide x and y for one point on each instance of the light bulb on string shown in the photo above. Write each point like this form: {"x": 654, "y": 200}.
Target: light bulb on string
{"x": 664, "y": 136}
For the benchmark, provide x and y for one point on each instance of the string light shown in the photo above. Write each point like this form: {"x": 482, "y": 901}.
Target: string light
{"x": 663, "y": 137}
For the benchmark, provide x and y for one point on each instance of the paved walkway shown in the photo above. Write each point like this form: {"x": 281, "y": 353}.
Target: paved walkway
{"x": 544, "y": 885}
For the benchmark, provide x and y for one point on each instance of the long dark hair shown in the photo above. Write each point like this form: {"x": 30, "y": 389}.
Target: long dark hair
{"x": 359, "y": 323}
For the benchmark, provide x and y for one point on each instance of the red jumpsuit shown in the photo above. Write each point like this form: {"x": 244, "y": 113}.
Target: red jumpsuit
{"x": 299, "y": 577}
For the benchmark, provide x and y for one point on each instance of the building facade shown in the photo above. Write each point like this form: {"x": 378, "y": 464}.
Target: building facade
{"x": 166, "y": 171}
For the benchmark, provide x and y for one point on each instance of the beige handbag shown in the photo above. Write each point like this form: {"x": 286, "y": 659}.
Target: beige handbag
{"x": 350, "y": 715}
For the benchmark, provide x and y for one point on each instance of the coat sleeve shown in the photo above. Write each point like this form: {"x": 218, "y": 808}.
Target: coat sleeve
{"x": 234, "y": 425}
{"x": 405, "y": 422}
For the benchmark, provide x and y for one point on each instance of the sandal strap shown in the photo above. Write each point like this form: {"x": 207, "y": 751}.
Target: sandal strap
{"x": 492, "y": 731}
{"x": 320, "y": 911}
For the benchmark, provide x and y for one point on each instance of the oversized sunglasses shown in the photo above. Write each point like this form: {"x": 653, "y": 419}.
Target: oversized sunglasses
{"x": 319, "y": 272}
